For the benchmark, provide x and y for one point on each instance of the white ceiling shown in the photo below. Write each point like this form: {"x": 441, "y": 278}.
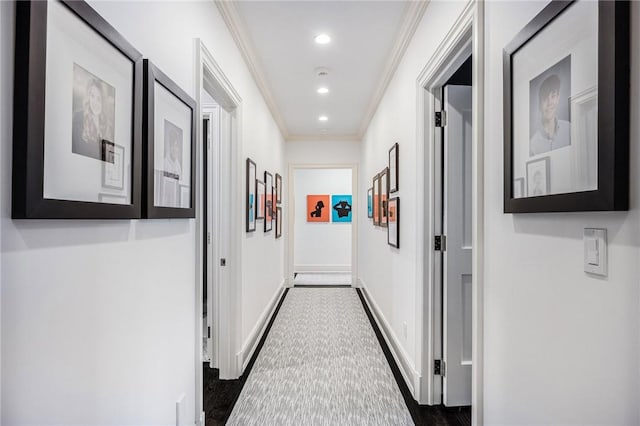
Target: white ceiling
{"x": 276, "y": 39}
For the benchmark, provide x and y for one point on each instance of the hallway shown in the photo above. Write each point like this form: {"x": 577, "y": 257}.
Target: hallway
{"x": 321, "y": 364}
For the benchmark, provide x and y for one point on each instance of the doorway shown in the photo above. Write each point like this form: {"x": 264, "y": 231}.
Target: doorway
{"x": 455, "y": 181}
{"x": 322, "y": 247}
{"x": 217, "y": 225}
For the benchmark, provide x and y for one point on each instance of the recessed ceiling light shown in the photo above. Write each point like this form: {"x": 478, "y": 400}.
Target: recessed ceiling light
{"x": 322, "y": 39}
{"x": 323, "y": 90}
{"x": 323, "y": 118}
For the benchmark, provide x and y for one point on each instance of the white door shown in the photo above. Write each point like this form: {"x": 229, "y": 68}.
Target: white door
{"x": 457, "y": 280}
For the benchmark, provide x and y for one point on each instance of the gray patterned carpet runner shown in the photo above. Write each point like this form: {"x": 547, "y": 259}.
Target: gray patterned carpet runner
{"x": 321, "y": 365}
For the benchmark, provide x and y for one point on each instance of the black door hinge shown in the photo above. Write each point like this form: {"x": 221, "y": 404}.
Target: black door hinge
{"x": 440, "y": 243}
{"x": 441, "y": 119}
{"x": 438, "y": 367}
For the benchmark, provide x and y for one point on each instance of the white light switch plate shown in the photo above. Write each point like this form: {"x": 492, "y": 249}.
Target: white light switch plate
{"x": 595, "y": 251}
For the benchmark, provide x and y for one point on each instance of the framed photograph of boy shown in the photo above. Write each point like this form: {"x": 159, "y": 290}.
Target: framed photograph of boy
{"x": 77, "y": 116}
{"x": 566, "y": 109}
{"x": 170, "y": 126}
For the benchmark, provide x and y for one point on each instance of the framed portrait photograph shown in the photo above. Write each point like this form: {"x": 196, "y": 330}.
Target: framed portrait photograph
{"x": 251, "y": 205}
{"x": 77, "y": 117}
{"x": 268, "y": 202}
{"x": 538, "y": 182}
{"x": 278, "y": 189}
{"x": 370, "y": 203}
{"x": 384, "y": 196}
{"x": 566, "y": 103}
{"x": 393, "y": 168}
{"x": 376, "y": 200}
{"x": 278, "y": 222}
{"x": 393, "y": 230}
{"x": 169, "y": 125}
{"x": 260, "y": 199}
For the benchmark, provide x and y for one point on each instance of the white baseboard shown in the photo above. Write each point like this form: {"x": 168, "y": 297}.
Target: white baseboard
{"x": 411, "y": 377}
{"x": 249, "y": 346}
{"x": 322, "y": 268}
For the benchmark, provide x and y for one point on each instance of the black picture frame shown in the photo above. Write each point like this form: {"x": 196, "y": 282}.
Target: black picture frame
{"x": 278, "y": 188}
{"x": 278, "y": 222}
{"x": 376, "y": 200}
{"x": 394, "y": 153}
{"x": 394, "y": 206}
{"x": 251, "y": 206}
{"x": 28, "y": 179}
{"x": 268, "y": 202}
{"x": 153, "y": 75}
{"x": 612, "y": 191}
{"x": 384, "y": 196}
{"x": 260, "y": 204}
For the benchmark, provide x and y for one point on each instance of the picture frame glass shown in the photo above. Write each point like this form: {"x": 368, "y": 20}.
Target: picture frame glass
{"x": 171, "y": 149}
{"x": 555, "y": 106}
{"x": 88, "y": 126}
{"x": 393, "y": 168}
{"x": 376, "y": 200}
{"x": 260, "y": 198}
{"x": 394, "y": 222}
{"x": 251, "y": 196}
{"x": 384, "y": 196}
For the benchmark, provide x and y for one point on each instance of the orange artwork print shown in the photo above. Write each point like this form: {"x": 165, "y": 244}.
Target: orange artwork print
{"x": 318, "y": 208}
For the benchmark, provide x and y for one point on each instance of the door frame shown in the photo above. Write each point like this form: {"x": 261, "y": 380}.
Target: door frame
{"x": 291, "y": 211}
{"x": 209, "y": 76}
{"x": 466, "y": 33}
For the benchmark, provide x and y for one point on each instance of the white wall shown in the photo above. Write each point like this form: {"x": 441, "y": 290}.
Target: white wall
{"x": 323, "y": 152}
{"x": 389, "y": 274}
{"x": 98, "y": 317}
{"x": 560, "y": 347}
{"x": 549, "y": 327}
{"x": 321, "y": 246}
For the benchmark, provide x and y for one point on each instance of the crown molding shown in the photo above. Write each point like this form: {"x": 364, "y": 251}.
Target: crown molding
{"x": 237, "y": 28}
{"x": 320, "y": 138}
{"x": 411, "y": 18}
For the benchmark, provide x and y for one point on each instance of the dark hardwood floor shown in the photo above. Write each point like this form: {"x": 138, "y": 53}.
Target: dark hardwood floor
{"x": 220, "y": 395}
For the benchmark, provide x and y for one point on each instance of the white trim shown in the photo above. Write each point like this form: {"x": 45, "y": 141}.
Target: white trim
{"x": 231, "y": 16}
{"x": 322, "y": 268}
{"x": 411, "y": 18}
{"x": 468, "y": 28}
{"x": 407, "y": 368}
{"x": 208, "y": 74}
{"x": 250, "y": 345}
{"x": 290, "y": 266}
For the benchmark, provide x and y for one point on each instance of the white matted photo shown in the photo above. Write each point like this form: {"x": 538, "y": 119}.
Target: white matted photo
{"x": 549, "y": 118}
{"x": 538, "y": 177}
{"x": 518, "y": 188}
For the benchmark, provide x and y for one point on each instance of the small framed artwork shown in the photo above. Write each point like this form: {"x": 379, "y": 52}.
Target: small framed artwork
{"x": 169, "y": 124}
{"x": 260, "y": 199}
{"x": 393, "y": 230}
{"x": 393, "y": 168}
{"x": 268, "y": 202}
{"x": 77, "y": 116}
{"x": 538, "y": 182}
{"x": 318, "y": 208}
{"x": 341, "y": 206}
{"x": 376, "y": 200}
{"x": 370, "y": 203}
{"x": 278, "y": 188}
{"x": 278, "y": 222}
{"x": 384, "y": 196}
{"x": 566, "y": 109}
{"x": 518, "y": 188}
{"x": 250, "y": 207}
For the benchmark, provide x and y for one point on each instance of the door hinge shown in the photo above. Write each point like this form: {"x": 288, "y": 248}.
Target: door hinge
{"x": 440, "y": 243}
{"x": 208, "y": 237}
{"x": 441, "y": 118}
{"x": 223, "y": 262}
{"x": 438, "y": 368}
{"x": 208, "y": 332}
